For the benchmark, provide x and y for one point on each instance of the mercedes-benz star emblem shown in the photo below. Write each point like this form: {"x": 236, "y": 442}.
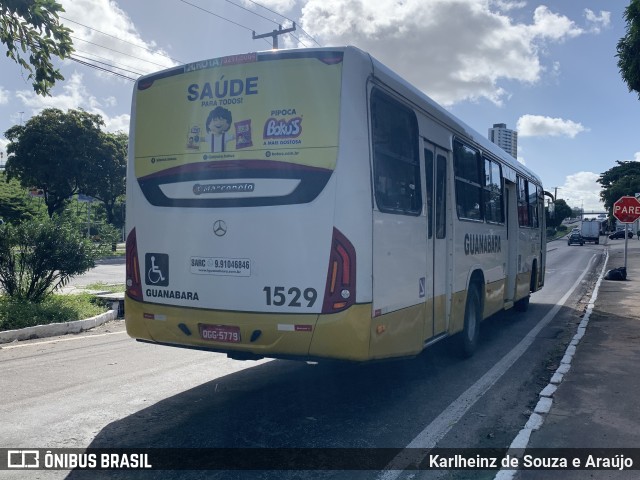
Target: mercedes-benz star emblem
{"x": 219, "y": 228}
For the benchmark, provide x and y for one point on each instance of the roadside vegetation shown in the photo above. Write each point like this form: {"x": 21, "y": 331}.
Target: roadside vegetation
{"x": 37, "y": 258}
{"x": 105, "y": 287}
{"x": 557, "y": 212}
{"x": 16, "y": 314}
{"x": 555, "y": 233}
{"x": 61, "y": 209}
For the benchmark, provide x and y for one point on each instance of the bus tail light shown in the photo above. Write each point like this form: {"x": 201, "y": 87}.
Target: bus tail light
{"x": 134, "y": 282}
{"x": 340, "y": 291}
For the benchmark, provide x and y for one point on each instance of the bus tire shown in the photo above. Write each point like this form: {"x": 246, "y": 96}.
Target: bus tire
{"x": 470, "y": 335}
{"x": 522, "y": 305}
{"x": 533, "y": 287}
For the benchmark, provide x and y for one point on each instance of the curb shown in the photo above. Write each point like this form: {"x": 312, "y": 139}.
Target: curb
{"x": 543, "y": 407}
{"x": 55, "y": 329}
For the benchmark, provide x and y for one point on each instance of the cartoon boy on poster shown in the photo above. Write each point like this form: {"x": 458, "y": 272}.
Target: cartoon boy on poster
{"x": 218, "y": 125}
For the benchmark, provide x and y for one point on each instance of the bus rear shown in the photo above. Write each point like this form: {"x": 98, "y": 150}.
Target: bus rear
{"x": 233, "y": 243}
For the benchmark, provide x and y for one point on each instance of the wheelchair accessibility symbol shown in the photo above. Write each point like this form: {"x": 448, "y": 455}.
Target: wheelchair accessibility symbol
{"x": 156, "y": 267}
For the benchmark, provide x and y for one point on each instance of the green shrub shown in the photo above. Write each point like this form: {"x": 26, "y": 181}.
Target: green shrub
{"x": 15, "y": 314}
{"x": 39, "y": 256}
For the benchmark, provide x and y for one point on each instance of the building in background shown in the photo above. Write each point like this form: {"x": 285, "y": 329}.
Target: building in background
{"x": 504, "y": 138}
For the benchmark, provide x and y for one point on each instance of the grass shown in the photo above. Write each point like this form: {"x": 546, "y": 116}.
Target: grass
{"x": 104, "y": 287}
{"x": 55, "y": 309}
{"x": 108, "y": 253}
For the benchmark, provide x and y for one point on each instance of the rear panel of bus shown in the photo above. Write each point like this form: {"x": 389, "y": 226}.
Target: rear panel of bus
{"x": 243, "y": 214}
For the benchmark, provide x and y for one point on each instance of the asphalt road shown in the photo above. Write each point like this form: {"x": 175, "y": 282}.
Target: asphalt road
{"x": 102, "y": 389}
{"x": 109, "y": 271}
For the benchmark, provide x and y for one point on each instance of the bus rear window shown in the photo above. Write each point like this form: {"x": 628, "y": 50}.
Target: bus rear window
{"x": 234, "y": 184}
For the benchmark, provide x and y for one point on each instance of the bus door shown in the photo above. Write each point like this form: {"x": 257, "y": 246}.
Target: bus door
{"x": 399, "y": 223}
{"x": 511, "y": 269}
{"x": 437, "y": 273}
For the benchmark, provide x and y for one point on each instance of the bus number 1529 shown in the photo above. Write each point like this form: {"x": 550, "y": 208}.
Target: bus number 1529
{"x": 276, "y": 296}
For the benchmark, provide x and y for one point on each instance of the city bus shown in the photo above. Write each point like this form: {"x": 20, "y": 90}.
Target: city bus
{"x": 312, "y": 204}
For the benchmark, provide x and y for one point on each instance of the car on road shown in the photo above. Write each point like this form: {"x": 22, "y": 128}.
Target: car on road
{"x": 620, "y": 234}
{"x": 575, "y": 237}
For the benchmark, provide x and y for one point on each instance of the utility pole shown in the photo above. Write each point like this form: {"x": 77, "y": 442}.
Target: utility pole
{"x": 275, "y": 33}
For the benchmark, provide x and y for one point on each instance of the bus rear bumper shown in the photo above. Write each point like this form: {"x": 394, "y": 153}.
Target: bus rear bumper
{"x": 343, "y": 335}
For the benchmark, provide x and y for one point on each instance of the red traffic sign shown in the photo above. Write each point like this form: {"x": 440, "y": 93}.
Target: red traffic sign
{"x": 626, "y": 209}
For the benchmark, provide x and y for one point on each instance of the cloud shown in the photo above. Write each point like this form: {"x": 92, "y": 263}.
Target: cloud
{"x": 540, "y": 126}
{"x": 277, "y": 5}
{"x": 552, "y": 26}
{"x": 598, "y": 22}
{"x": 636, "y": 158}
{"x": 75, "y": 95}
{"x": 3, "y": 148}
{"x": 4, "y": 96}
{"x": 581, "y": 190}
{"x": 102, "y": 32}
{"x": 507, "y": 5}
{"x": 451, "y": 49}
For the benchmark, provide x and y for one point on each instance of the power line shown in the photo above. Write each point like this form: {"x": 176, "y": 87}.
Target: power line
{"x": 87, "y": 61}
{"x": 268, "y": 19}
{"x": 254, "y": 13}
{"x": 221, "y": 17}
{"x": 280, "y": 15}
{"x": 78, "y": 60}
{"x": 216, "y": 15}
{"x": 274, "y": 34}
{"x": 108, "y": 64}
{"x": 117, "y": 51}
{"x": 122, "y": 40}
{"x": 97, "y": 67}
{"x": 93, "y": 57}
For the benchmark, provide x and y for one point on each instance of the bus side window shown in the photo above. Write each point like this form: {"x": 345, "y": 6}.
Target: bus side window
{"x": 533, "y": 205}
{"x": 428, "y": 169}
{"x": 441, "y": 197}
{"x": 396, "y": 163}
{"x": 469, "y": 181}
{"x": 493, "y": 196}
{"x": 523, "y": 202}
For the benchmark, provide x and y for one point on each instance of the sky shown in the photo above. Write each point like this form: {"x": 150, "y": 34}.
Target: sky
{"x": 546, "y": 69}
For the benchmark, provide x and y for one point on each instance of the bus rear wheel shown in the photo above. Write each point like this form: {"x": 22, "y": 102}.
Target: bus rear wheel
{"x": 522, "y": 305}
{"x": 468, "y": 342}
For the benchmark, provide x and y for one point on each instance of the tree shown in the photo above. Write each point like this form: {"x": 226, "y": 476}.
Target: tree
{"x": 37, "y": 257}
{"x": 576, "y": 212}
{"x": 15, "y": 203}
{"x": 105, "y": 180}
{"x": 33, "y": 27}
{"x": 560, "y": 211}
{"x": 618, "y": 181}
{"x": 629, "y": 48}
{"x": 53, "y": 152}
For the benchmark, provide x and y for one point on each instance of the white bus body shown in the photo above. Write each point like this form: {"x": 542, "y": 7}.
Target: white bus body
{"x": 343, "y": 214}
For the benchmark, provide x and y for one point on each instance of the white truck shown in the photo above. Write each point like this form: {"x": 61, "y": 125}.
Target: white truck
{"x": 590, "y": 230}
